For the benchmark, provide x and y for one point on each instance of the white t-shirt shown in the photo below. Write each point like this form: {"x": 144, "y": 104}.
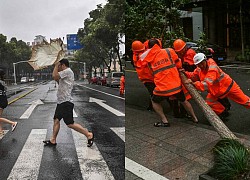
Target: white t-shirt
{"x": 65, "y": 86}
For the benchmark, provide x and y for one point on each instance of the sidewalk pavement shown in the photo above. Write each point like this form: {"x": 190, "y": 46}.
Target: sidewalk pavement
{"x": 182, "y": 151}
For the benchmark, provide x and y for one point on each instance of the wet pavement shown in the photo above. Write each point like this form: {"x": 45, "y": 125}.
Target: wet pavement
{"x": 182, "y": 151}
{"x": 23, "y": 156}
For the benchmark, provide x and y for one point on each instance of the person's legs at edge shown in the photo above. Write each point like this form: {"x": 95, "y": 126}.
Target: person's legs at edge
{"x": 159, "y": 110}
{"x": 4, "y": 120}
{"x": 56, "y": 128}
{"x": 190, "y": 110}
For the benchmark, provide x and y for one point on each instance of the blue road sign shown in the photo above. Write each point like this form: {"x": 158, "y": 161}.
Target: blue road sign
{"x": 73, "y": 42}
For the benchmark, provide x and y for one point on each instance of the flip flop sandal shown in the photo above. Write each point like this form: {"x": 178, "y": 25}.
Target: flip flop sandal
{"x": 90, "y": 141}
{"x": 161, "y": 124}
{"x": 14, "y": 127}
{"x": 1, "y": 133}
{"x": 49, "y": 143}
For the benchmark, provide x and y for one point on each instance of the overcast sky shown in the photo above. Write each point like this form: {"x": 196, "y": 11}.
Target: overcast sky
{"x": 24, "y": 19}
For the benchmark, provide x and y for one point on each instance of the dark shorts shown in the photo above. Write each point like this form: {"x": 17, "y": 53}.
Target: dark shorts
{"x": 65, "y": 111}
{"x": 150, "y": 87}
{"x": 180, "y": 96}
{"x": 3, "y": 102}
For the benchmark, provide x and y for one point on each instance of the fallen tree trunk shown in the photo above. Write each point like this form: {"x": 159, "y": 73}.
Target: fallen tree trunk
{"x": 211, "y": 116}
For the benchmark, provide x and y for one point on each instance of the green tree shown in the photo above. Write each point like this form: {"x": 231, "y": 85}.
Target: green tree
{"x": 153, "y": 18}
{"x": 102, "y": 33}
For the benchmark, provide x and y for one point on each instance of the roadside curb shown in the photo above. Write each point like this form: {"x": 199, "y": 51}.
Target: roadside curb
{"x": 21, "y": 96}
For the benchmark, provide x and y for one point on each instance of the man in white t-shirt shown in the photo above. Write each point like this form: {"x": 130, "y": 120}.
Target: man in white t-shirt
{"x": 64, "y": 109}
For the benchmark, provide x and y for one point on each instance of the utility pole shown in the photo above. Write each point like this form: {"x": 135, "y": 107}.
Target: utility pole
{"x": 14, "y": 66}
{"x": 241, "y": 31}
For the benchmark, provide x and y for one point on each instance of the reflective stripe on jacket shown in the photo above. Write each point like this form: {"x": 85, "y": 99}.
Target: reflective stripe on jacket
{"x": 166, "y": 75}
{"x": 144, "y": 73}
{"x": 213, "y": 80}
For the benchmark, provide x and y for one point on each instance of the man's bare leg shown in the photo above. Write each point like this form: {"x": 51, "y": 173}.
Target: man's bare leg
{"x": 159, "y": 110}
{"x": 56, "y": 128}
{"x": 190, "y": 110}
{"x": 77, "y": 127}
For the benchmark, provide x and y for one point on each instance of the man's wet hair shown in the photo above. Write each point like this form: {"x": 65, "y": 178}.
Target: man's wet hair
{"x": 152, "y": 42}
{"x": 65, "y": 62}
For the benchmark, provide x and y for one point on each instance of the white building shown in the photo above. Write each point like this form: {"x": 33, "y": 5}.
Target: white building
{"x": 38, "y": 40}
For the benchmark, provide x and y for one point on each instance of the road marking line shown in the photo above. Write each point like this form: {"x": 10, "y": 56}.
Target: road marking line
{"x": 29, "y": 111}
{"x": 19, "y": 97}
{"x": 133, "y": 166}
{"x": 109, "y": 108}
{"x": 141, "y": 171}
{"x": 120, "y": 131}
{"x": 101, "y": 92}
{"x": 128, "y": 70}
{"x": 28, "y": 163}
{"x": 74, "y": 113}
{"x": 92, "y": 164}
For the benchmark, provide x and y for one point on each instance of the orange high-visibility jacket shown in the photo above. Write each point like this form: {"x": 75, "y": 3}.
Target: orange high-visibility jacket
{"x": 213, "y": 80}
{"x": 122, "y": 82}
{"x": 144, "y": 73}
{"x": 188, "y": 57}
{"x": 166, "y": 75}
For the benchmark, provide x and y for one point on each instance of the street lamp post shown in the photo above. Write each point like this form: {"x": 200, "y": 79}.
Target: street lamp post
{"x": 14, "y": 66}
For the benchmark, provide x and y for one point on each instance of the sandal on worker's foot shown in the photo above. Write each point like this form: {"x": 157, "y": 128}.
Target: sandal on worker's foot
{"x": 49, "y": 143}
{"x": 14, "y": 127}
{"x": 90, "y": 141}
{"x": 195, "y": 120}
{"x": 161, "y": 124}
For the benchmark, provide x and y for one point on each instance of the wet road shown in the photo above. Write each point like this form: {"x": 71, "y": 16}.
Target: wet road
{"x": 100, "y": 109}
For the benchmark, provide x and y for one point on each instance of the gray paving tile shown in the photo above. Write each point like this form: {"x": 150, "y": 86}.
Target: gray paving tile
{"x": 170, "y": 165}
{"x": 151, "y": 156}
{"x": 134, "y": 144}
{"x": 204, "y": 161}
{"x": 172, "y": 148}
{"x": 189, "y": 171}
{"x": 191, "y": 140}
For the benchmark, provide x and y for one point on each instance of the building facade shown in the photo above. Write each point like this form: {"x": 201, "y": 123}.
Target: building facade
{"x": 225, "y": 22}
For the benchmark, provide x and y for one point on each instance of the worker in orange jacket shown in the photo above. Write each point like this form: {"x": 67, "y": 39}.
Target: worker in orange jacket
{"x": 185, "y": 54}
{"x": 209, "y": 77}
{"x": 122, "y": 85}
{"x": 144, "y": 73}
{"x": 166, "y": 79}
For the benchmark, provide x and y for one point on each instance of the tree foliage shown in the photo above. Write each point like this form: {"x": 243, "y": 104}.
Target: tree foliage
{"x": 13, "y": 51}
{"x": 101, "y": 33}
{"x": 153, "y": 18}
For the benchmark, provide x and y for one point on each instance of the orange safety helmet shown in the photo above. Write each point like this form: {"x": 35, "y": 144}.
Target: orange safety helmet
{"x": 138, "y": 46}
{"x": 179, "y": 45}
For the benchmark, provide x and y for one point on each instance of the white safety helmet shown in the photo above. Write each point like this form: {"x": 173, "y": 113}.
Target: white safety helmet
{"x": 199, "y": 57}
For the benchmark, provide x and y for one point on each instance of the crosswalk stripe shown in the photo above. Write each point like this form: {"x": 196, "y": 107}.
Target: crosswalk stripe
{"x": 28, "y": 163}
{"x": 74, "y": 113}
{"x": 91, "y": 162}
{"x": 141, "y": 171}
{"x": 120, "y": 132}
